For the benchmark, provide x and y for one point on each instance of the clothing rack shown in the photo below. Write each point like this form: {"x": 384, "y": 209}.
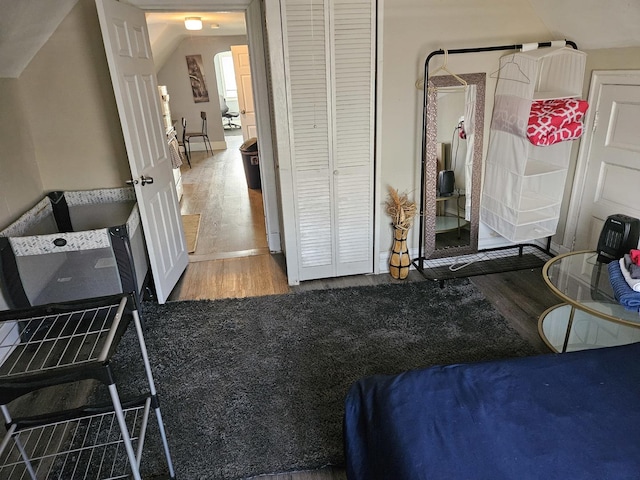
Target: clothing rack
{"x": 419, "y": 261}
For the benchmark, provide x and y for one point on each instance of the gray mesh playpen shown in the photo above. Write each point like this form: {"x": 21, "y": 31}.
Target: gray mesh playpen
{"x": 71, "y": 246}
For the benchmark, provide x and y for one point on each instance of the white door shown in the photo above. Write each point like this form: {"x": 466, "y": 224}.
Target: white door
{"x": 612, "y": 172}
{"x": 242, "y": 68}
{"x": 126, "y": 40}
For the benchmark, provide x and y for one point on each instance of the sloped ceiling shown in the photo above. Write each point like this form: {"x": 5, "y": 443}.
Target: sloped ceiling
{"x": 26, "y": 25}
{"x": 592, "y": 24}
{"x": 166, "y": 30}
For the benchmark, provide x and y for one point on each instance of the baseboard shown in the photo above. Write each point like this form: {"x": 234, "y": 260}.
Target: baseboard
{"x": 216, "y": 145}
{"x": 273, "y": 240}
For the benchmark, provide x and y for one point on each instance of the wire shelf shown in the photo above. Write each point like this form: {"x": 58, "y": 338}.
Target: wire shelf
{"x": 485, "y": 262}
{"x": 48, "y": 342}
{"x": 71, "y": 342}
{"x": 87, "y": 447}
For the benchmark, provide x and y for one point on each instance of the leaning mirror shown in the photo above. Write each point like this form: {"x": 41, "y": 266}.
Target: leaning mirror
{"x": 453, "y": 166}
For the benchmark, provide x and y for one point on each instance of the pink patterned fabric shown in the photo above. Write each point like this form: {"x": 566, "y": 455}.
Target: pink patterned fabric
{"x": 553, "y": 121}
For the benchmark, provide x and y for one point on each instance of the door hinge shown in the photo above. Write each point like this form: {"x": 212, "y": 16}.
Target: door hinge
{"x": 595, "y": 121}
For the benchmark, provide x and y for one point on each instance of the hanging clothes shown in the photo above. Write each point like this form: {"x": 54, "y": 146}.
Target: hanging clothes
{"x": 469, "y": 129}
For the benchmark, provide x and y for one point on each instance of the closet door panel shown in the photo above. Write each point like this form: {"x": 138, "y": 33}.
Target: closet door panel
{"x": 354, "y": 241}
{"x": 306, "y": 63}
{"x": 353, "y": 46}
{"x": 306, "y": 53}
{"x": 314, "y": 225}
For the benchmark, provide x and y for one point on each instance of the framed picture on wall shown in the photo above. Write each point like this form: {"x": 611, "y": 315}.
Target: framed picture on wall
{"x": 196, "y": 77}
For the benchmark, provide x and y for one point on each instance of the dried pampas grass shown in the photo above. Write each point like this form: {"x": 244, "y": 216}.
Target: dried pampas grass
{"x": 400, "y": 209}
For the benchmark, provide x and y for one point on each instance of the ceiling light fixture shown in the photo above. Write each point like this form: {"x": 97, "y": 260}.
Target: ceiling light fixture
{"x": 193, "y": 23}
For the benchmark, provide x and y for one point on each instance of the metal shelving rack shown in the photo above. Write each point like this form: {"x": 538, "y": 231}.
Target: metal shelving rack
{"x": 63, "y": 343}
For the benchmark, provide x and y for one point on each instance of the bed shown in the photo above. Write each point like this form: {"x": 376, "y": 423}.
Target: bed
{"x": 557, "y": 416}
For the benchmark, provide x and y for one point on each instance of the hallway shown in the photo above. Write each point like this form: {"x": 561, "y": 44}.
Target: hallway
{"x": 232, "y": 258}
{"x": 231, "y": 215}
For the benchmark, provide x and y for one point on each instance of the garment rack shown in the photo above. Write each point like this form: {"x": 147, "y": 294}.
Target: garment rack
{"x": 419, "y": 261}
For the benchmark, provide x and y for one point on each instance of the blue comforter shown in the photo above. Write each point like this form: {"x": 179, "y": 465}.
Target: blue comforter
{"x": 569, "y": 416}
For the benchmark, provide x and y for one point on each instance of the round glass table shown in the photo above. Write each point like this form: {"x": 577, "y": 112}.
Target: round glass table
{"x": 590, "y": 316}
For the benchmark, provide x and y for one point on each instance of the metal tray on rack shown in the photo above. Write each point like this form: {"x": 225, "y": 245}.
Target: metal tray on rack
{"x": 88, "y": 446}
{"x": 69, "y": 342}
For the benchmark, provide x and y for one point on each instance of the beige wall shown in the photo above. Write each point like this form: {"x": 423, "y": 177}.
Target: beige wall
{"x": 71, "y": 111}
{"x": 20, "y": 185}
{"x": 173, "y": 74}
{"x": 411, "y": 30}
{"x": 59, "y": 121}
{"x": 611, "y": 59}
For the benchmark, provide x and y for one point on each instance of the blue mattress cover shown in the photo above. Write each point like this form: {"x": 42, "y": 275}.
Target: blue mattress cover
{"x": 557, "y": 416}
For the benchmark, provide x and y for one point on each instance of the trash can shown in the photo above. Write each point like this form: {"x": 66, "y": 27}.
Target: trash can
{"x": 251, "y": 162}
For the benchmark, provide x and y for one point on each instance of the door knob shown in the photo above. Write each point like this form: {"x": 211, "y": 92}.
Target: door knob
{"x": 131, "y": 182}
{"x": 144, "y": 180}
{"x": 243, "y": 112}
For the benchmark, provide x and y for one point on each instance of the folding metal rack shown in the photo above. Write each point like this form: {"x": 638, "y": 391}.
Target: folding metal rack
{"x": 59, "y": 344}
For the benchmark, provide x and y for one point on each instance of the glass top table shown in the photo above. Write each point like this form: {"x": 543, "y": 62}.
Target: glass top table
{"x": 590, "y": 316}
{"x": 448, "y": 223}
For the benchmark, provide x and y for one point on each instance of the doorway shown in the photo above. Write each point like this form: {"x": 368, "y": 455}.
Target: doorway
{"x": 228, "y": 91}
{"x": 216, "y": 183}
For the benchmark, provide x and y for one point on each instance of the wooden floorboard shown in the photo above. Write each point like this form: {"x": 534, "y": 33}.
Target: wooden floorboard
{"x": 521, "y": 297}
{"x": 231, "y": 214}
{"x": 327, "y": 473}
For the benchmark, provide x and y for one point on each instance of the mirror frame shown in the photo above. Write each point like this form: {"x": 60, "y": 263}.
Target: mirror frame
{"x": 431, "y": 164}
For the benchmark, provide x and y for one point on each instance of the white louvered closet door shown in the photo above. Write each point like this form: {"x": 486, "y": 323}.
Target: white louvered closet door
{"x": 329, "y": 57}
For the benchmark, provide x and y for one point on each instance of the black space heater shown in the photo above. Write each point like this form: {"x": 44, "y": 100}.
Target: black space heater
{"x": 619, "y": 235}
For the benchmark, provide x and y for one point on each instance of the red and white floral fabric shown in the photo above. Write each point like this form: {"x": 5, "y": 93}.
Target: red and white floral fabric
{"x": 553, "y": 121}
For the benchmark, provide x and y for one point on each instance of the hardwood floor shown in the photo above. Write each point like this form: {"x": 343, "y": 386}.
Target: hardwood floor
{"x": 231, "y": 215}
{"x": 232, "y": 260}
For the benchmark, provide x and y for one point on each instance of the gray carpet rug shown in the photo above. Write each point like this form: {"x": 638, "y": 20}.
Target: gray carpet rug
{"x": 256, "y": 385}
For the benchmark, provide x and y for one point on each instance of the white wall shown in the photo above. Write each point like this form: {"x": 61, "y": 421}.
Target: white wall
{"x": 173, "y": 74}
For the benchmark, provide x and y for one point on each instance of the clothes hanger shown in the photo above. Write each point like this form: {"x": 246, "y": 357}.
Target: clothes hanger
{"x": 524, "y": 78}
{"x": 444, "y": 67}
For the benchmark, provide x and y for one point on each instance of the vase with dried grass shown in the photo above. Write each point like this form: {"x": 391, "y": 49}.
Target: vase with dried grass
{"x": 402, "y": 212}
